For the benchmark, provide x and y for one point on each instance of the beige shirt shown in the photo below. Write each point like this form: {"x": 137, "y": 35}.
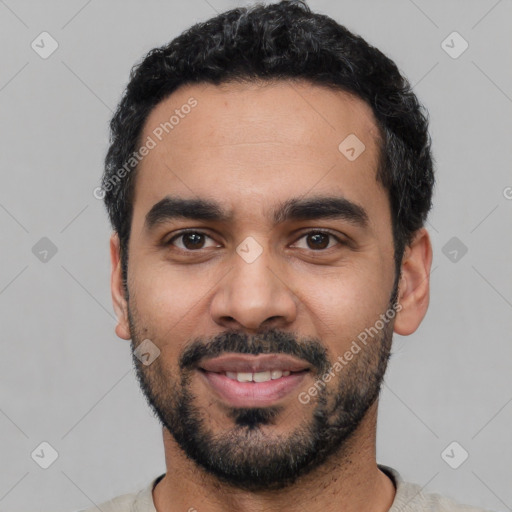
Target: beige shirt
{"x": 408, "y": 498}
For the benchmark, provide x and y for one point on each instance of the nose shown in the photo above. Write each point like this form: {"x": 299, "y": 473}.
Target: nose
{"x": 254, "y": 296}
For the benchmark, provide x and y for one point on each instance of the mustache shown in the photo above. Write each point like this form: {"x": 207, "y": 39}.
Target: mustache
{"x": 270, "y": 342}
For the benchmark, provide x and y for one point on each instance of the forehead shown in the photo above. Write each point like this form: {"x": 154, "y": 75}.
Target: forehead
{"x": 250, "y": 146}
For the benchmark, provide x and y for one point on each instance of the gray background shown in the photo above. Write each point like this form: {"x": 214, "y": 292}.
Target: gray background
{"x": 66, "y": 378}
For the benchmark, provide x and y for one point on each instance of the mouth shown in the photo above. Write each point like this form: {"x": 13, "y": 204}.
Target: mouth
{"x": 252, "y": 381}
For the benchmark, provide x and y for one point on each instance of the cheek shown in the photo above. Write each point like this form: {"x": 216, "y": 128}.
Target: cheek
{"x": 343, "y": 304}
{"x": 166, "y": 302}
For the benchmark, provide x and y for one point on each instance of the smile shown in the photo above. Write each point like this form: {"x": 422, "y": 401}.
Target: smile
{"x": 245, "y": 380}
{"x": 257, "y": 377}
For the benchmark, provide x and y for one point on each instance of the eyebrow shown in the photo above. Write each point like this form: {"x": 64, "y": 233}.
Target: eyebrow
{"x": 319, "y": 207}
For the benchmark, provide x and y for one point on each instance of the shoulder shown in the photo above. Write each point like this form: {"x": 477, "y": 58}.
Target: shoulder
{"x": 139, "y": 501}
{"x": 122, "y": 503}
{"x": 410, "y": 497}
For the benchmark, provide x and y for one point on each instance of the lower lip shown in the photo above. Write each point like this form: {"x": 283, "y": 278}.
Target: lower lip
{"x": 252, "y": 394}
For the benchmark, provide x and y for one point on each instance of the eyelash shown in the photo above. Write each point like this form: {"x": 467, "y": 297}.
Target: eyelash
{"x": 195, "y": 231}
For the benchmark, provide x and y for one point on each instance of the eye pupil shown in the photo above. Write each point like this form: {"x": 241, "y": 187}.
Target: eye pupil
{"x": 320, "y": 240}
{"x": 196, "y": 239}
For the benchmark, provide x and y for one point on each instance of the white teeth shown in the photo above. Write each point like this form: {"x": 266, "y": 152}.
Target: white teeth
{"x": 261, "y": 376}
{"x": 258, "y": 376}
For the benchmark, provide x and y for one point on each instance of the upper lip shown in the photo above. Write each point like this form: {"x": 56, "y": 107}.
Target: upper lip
{"x": 253, "y": 364}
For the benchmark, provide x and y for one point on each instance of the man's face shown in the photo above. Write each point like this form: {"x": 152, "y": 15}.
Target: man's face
{"x": 267, "y": 271}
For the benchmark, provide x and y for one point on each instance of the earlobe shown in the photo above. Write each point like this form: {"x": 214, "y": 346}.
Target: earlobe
{"x": 116, "y": 283}
{"x": 414, "y": 285}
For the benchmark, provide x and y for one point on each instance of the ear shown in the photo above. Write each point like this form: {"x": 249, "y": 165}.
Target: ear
{"x": 414, "y": 285}
{"x": 116, "y": 285}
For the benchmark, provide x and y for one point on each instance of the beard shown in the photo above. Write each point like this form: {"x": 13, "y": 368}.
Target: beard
{"x": 249, "y": 456}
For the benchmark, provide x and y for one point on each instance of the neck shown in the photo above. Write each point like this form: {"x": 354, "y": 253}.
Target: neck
{"x": 349, "y": 480}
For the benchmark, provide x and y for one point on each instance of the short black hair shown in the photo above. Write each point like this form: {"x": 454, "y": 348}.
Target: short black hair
{"x": 279, "y": 41}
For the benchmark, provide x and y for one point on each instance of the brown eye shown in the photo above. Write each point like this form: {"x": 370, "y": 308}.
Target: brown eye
{"x": 191, "y": 241}
{"x": 318, "y": 240}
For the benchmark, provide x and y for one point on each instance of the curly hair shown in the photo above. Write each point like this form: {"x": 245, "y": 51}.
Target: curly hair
{"x": 280, "y": 41}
